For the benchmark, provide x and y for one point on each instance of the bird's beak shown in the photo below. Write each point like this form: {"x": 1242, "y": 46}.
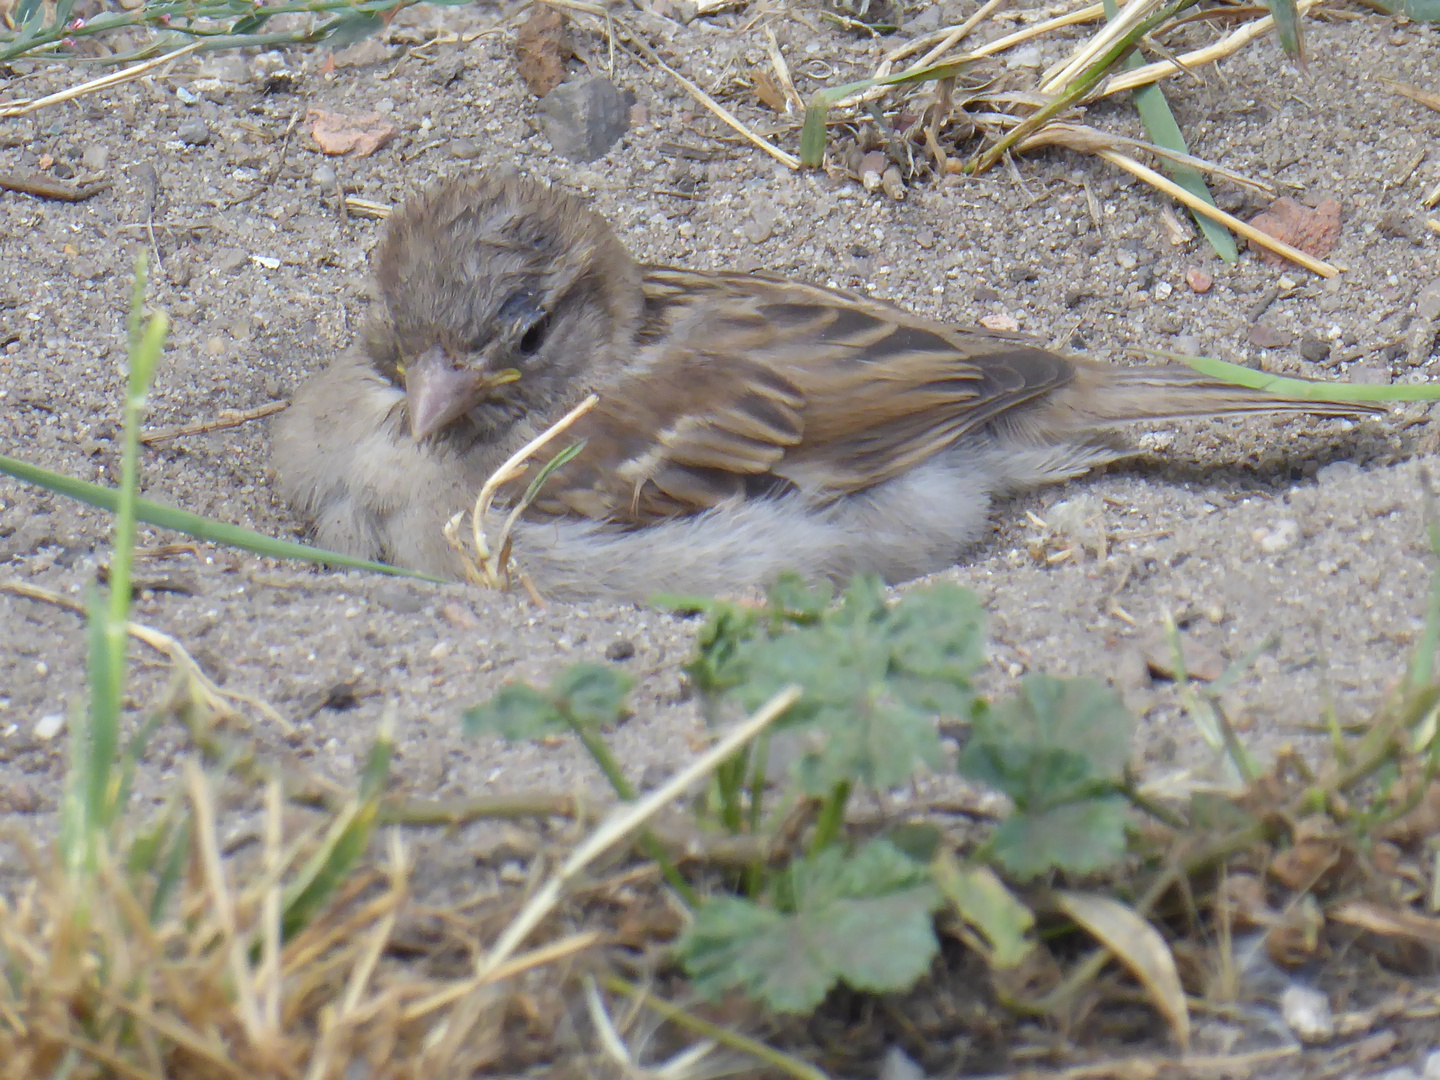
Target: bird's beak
{"x": 437, "y": 392}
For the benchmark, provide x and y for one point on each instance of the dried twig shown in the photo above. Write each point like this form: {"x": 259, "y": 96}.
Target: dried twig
{"x": 228, "y": 418}
{"x": 210, "y": 695}
{"x": 1230, "y": 221}
{"x": 115, "y": 78}
{"x": 1226, "y": 46}
{"x": 492, "y": 558}
{"x": 1414, "y": 93}
{"x": 47, "y": 187}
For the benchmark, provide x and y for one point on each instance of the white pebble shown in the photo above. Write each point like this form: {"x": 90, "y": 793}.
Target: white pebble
{"x": 1280, "y": 538}
{"x": 1306, "y": 1012}
{"x": 50, "y": 725}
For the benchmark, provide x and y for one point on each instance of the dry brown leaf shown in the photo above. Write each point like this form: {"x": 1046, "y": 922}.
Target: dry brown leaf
{"x": 1314, "y": 232}
{"x": 542, "y": 45}
{"x": 337, "y": 133}
{"x": 770, "y": 95}
{"x": 1387, "y": 922}
{"x": 1315, "y": 855}
{"x": 1137, "y": 945}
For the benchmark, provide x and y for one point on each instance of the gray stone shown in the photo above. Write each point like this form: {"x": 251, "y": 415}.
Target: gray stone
{"x": 1427, "y": 302}
{"x": 585, "y": 118}
{"x": 465, "y": 149}
{"x": 401, "y": 599}
{"x": 193, "y": 132}
{"x": 1267, "y": 336}
{"x": 228, "y": 260}
{"x": 1314, "y": 349}
{"x": 761, "y": 225}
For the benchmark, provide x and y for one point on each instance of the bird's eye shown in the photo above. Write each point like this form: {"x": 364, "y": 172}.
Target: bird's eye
{"x": 534, "y": 337}
{"x": 523, "y": 321}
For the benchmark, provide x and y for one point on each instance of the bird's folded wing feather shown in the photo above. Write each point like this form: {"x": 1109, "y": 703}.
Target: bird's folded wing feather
{"x": 757, "y": 384}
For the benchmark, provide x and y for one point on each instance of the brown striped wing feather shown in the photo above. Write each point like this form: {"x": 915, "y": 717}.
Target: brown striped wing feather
{"x": 754, "y": 383}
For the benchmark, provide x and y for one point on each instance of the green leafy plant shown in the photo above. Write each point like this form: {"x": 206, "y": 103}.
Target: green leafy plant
{"x": 1058, "y": 749}
{"x": 218, "y": 24}
{"x": 874, "y": 676}
{"x": 864, "y": 918}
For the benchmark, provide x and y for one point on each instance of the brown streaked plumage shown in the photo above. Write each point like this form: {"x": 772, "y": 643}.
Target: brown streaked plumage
{"x": 747, "y": 423}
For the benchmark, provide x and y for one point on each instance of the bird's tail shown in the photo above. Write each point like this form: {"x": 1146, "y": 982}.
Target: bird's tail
{"x": 1102, "y": 397}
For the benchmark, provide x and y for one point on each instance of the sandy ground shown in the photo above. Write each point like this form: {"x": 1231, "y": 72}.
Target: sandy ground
{"x": 1308, "y": 531}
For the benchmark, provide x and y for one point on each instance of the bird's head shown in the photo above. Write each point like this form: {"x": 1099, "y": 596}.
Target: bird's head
{"x": 502, "y": 297}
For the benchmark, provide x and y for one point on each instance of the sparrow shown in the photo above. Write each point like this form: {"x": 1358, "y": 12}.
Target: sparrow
{"x": 747, "y": 424}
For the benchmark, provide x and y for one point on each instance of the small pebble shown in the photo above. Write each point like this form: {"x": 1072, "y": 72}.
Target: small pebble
{"x": 1427, "y": 302}
{"x": 1306, "y": 1012}
{"x": 620, "y": 649}
{"x": 465, "y": 149}
{"x": 583, "y": 119}
{"x": 230, "y": 259}
{"x": 1314, "y": 349}
{"x": 892, "y": 183}
{"x": 1281, "y": 537}
{"x": 1266, "y": 336}
{"x": 761, "y": 225}
{"x": 95, "y": 158}
{"x": 1127, "y": 260}
{"x": 1198, "y": 280}
{"x": 872, "y": 165}
{"x": 50, "y": 725}
{"x": 1163, "y": 290}
{"x": 400, "y": 599}
{"x": 1028, "y": 57}
{"x": 1003, "y": 322}
{"x": 1187, "y": 344}
{"x": 324, "y": 177}
{"x": 193, "y": 132}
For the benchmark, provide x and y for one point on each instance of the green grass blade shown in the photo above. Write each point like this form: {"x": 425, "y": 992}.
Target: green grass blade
{"x": 1419, "y": 10}
{"x": 1078, "y": 88}
{"x": 550, "y": 466}
{"x": 1301, "y": 388}
{"x": 812, "y": 136}
{"x": 330, "y": 867}
{"x": 1287, "y": 25}
{"x": 1164, "y": 130}
{"x": 202, "y": 528}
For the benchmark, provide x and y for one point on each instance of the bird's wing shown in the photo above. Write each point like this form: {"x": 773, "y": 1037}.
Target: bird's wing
{"x": 744, "y": 383}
